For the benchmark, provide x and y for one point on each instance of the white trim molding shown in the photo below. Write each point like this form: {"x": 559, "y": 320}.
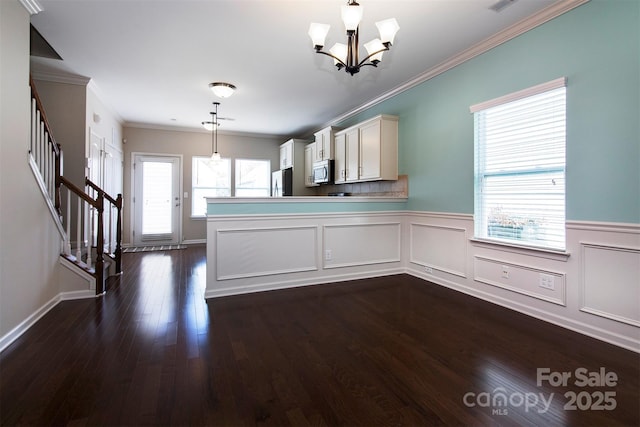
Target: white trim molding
{"x": 515, "y": 96}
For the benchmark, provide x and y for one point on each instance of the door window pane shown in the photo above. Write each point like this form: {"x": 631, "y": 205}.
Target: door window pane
{"x": 156, "y": 195}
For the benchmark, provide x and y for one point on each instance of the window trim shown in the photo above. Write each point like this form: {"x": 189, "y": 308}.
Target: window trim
{"x": 521, "y": 94}
{"x": 509, "y": 245}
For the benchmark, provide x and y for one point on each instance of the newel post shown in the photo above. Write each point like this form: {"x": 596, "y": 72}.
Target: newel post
{"x": 99, "y": 266}
{"x": 118, "y": 252}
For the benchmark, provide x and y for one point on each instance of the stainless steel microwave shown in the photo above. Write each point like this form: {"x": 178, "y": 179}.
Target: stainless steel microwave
{"x": 323, "y": 172}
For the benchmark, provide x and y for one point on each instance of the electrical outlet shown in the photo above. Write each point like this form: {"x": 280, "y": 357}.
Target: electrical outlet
{"x": 547, "y": 281}
{"x": 505, "y": 272}
{"x": 328, "y": 255}
{"x": 428, "y": 270}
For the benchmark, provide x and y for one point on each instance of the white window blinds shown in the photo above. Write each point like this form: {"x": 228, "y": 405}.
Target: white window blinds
{"x": 520, "y": 167}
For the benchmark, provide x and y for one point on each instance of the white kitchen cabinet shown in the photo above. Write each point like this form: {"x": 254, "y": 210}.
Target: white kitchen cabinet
{"x": 309, "y": 158}
{"x": 367, "y": 151}
{"x": 292, "y": 155}
{"x": 346, "y": 156}
{"x": 286, "y": 154}
{"x": 325, "y": 144}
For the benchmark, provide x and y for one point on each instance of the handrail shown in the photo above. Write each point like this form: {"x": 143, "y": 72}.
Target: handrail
{"x": 113, "y": 201}
{"x": 80, "y": 193}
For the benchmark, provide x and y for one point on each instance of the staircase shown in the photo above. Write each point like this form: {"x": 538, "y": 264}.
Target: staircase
{"x": 89, "y": 219}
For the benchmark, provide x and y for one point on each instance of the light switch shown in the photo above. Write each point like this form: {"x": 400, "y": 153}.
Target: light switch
{"x": 186, "y": 195}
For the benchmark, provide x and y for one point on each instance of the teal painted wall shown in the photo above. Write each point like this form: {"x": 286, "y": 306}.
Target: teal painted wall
{"x": 291, "y": 206}
{"x": 597, "y": 47}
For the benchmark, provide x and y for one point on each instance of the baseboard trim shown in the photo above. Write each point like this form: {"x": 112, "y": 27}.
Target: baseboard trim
{"x": 26, "y": 324}
{"x": 562, "y": 321}
{"x": 229, "y": 291}
{"x": 194, "y": 242}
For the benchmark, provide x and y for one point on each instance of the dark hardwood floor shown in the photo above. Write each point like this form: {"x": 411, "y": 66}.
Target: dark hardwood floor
{"x": 388, "y": 351}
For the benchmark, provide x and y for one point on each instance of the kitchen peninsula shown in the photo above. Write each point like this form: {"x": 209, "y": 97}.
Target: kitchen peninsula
{"x": 257, "y": 244}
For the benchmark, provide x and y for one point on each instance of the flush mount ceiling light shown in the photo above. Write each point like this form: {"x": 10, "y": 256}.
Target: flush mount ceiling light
{"x": 221, "y": 89}
{"x": 347, "y": 56}
{"x": 213, "y": 127}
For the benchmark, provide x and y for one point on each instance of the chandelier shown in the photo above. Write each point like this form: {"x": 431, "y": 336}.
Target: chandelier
{"x": 347, "y": 56}
{"x": 213, "y": 127}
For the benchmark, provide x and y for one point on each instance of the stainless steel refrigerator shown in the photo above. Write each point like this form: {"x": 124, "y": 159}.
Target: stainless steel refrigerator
{"x": 282, "y": 183}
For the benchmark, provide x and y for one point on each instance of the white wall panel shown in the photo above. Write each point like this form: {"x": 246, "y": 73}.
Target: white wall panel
{"x": 438, "y": 247}
{"x": 611, "y": 282}
{"x": 361, "y": 244}
{"x": 254, "y": 252}
{"x": 520, "y": 278}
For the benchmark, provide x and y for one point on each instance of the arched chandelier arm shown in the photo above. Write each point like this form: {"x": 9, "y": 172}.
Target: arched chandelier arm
{"x": 387, "y": 46}
{"x": 340, "y": 61}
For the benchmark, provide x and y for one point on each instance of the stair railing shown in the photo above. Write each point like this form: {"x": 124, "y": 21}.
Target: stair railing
{"x": 46, "y": 160}
{"x": 112, "y": 228}
{"x": 85, "y": 206}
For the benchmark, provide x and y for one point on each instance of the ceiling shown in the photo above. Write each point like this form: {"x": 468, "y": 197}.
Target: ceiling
{"x": 152, "y": 61}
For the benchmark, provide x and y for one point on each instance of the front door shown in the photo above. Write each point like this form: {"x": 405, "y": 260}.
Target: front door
{"x": 156, "y": 202}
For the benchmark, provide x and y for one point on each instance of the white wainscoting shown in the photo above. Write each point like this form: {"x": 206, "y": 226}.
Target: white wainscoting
{"x": 263, "y": 251}
{"x": 266, "y": 252}
{"x": 439, "y": 247}
{"x": 520, "y": 278}
{"x": 344, "y": 244}
{"x": 595, "y": 284}
{"x": 436, "y": 252}
{"x": 611, "y": 282}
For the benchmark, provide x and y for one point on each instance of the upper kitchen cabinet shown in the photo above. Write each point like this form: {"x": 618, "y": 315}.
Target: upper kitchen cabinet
{"x": 368, "y": 151}
{"x": 292, "y": 155}
{"x": 324, "y": 144}
{"x": 309, "y": 158}
{"x": 286, "y": 154}
{"x": 347, "y": 147}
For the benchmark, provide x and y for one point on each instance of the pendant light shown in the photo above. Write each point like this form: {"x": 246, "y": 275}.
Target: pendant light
{"x": 213, "y": 127}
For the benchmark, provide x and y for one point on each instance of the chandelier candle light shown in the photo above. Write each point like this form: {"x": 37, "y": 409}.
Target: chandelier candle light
{"x": 213, "y": 127}
{"x": 347, "y": 55}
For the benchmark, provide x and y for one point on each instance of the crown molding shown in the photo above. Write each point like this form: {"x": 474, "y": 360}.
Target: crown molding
{"x": 138, "y": 125}
{"x": 72, "y": 79}
{"x": 32, "y": 6}
{"x": 515, "y": 30}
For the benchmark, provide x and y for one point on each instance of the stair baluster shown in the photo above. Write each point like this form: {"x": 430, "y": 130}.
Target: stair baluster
{"x": 79, "y": 231}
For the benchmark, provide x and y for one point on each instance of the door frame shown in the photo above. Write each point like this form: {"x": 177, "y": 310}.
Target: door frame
{"x": 132, "y": 180}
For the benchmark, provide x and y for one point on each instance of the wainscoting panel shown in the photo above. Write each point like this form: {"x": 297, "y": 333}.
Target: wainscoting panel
{"x": 349, "y": 245}
{"x": 253, "y": 252}
{"x": 438, "y": 247}
{"x": 611, "y": 282}
{"x": 522, "y": 279}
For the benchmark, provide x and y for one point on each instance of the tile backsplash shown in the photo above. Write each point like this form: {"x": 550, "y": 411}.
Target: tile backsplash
{"x": 399, "y": 188}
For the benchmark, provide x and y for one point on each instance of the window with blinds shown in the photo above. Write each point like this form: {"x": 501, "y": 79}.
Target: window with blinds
{"x": 210, "y": 178}
{"x": 520, "y": 167}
